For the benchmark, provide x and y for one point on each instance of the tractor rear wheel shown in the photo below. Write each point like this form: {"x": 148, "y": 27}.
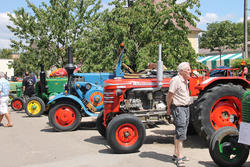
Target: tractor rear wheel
{"x": 34, "y": 107}
{"x": 17, "y": 104}
{"x": 125, "y": 133}
{"x": 214, "y": 107}
{"x": 99, "y": 124}
{"x": 225, "y": 149}
{"x": 64, "y": 117}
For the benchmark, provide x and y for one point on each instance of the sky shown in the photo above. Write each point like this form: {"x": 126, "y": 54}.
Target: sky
{"x": 211, "y": 11}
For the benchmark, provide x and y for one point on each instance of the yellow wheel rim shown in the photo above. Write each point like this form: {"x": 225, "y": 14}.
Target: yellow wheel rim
{"x": 34, "y": 107}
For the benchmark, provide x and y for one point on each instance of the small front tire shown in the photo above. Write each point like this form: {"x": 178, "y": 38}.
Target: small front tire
{"x": 225, "y": 149}
{"x": 34, "y": 107}
{"x": 125, "y": 133}
{"x": 64, "y": 117}
{"x": 17, "y": 104}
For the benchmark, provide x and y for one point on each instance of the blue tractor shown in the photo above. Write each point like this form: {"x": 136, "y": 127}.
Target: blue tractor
{"x": 82, "y": 97}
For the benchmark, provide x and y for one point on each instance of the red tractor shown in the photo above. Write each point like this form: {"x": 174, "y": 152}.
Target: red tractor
{"x": 129, "y": 104}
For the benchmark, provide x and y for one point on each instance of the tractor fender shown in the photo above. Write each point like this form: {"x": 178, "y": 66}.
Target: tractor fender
{"x": 75, "y": 99}
{"x": 210, "y": 82}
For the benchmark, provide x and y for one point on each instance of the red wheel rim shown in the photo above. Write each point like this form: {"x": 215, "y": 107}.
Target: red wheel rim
{"x": 65, "y": 116}
{"x": 17, "y": 105}
{"x": 222, "y": 109}
{"x": 127, "y": 135}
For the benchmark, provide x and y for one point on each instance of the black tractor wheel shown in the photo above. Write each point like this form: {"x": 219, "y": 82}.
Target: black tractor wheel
{"x": 225, "y": 149}
{"x": 214, "y": 107}
{"x": 34, "y": 107}
{"x": 125, "y": 133}
{"x": 99, "y": 124}
{"x": 17, "y": 104}
{"x": 64, "y": 117}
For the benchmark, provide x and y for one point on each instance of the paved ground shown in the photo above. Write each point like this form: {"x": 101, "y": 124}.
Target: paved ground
{"x": 33, "y": 143}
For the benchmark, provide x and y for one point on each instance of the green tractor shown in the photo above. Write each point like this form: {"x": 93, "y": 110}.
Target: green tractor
{"x": 229, "y": 146}
{"x": 45, "y": 90}
{"x": 15, "y": 96}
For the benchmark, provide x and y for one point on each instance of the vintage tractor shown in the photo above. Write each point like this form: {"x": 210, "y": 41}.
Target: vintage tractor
{"x": 83, "y": 95}
{"x": 127, "y": 100}
{"x": 45, "y": 89}
{"x": 16, "y": 101}
{"x": 228, "y": 146}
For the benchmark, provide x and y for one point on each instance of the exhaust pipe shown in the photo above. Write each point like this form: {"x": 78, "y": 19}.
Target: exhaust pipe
{"x": 42, "y": 79}
{"x": 159, "y": 76}
{"x": 69, "y": 68}
{"x": 159, "y": 69}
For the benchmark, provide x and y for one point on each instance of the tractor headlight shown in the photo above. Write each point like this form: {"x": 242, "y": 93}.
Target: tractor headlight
{"x": 88, "y": 86}
{"x": 118, "y": 92}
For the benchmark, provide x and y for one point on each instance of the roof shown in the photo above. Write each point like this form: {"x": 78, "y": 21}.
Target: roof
{"x": 209, "y": 52}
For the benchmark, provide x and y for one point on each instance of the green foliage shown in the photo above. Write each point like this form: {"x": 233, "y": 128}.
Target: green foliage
{"x": 222, "y": 35}
{"x": 142, "y": 26}
{"x": 95, "y": 35}
{"x": 236, "y": 63}
{"x": 44, "y": 35}
{"x": 6, "y": 53}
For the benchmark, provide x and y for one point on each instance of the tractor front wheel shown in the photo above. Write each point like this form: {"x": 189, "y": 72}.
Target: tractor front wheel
{"x": 17, "y": 104}
{"x": 225, "y": 149}
{"x": 34, "y": 107}
{"x": 125, "y": 133}
{"x": 64, "y": 117}
{"x": 214, "y": 108}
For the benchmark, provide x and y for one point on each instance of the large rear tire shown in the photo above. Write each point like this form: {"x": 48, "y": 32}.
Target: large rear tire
{"x": 17, "y": 104}
{"x": 99, "y": 124}
{"x": 64, "y": 117}
{"x": 214, "y": 107}
{"x": 34, "y": 107}
{"x": 125, "y": 133}
{"x": 225, "y": 150}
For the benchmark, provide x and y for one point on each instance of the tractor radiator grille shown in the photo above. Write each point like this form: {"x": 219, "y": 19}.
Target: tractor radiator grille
{"x": 246, "y": 107}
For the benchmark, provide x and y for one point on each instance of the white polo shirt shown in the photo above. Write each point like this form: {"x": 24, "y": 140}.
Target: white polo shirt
{"x": 179, "y": 87}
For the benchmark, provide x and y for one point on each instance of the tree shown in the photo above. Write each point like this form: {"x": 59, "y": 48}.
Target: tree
{"x": 142, "y": 26}
{"x": 44, "y": 34}
{"x": 222, "y": 35}
{"x": 6, "y": 53}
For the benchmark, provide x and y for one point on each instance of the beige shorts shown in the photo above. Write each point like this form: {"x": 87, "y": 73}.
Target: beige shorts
{"x": 4, "y": 105}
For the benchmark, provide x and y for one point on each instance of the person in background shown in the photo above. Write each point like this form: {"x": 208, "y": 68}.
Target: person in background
{"x": 4, "y": 99}
{"x": 178, "y": 101}
{"x": 244, "y": 68}
{"x": 28, "y": 86}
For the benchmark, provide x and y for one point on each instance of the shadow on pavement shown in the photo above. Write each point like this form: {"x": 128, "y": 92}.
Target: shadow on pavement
{"x": 97, "y": 140}
{"x": 167, "y": 136}
{"x": 207, "y": 163}
{"x": 157, "y": 156}
{"x": 83, "y": 126}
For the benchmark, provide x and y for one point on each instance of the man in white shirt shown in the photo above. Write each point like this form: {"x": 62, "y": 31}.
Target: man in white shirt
{"x": 178, "y": 101}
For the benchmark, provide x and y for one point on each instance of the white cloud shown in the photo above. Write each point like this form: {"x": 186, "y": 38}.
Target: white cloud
{"x": 242, "y": 19}
{"x": 213, "y": 17}
{"x": 5, "y": 33}
{"x": 180, "y": 1}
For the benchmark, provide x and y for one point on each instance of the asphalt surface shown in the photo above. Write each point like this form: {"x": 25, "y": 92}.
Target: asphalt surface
{"x": 33, "y": 143}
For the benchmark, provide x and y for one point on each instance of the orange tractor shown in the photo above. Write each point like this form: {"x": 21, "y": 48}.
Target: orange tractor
{"x": 131, "y": 103}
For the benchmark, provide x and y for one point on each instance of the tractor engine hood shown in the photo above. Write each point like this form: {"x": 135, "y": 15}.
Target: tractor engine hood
{"x": 96, "y": 78}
